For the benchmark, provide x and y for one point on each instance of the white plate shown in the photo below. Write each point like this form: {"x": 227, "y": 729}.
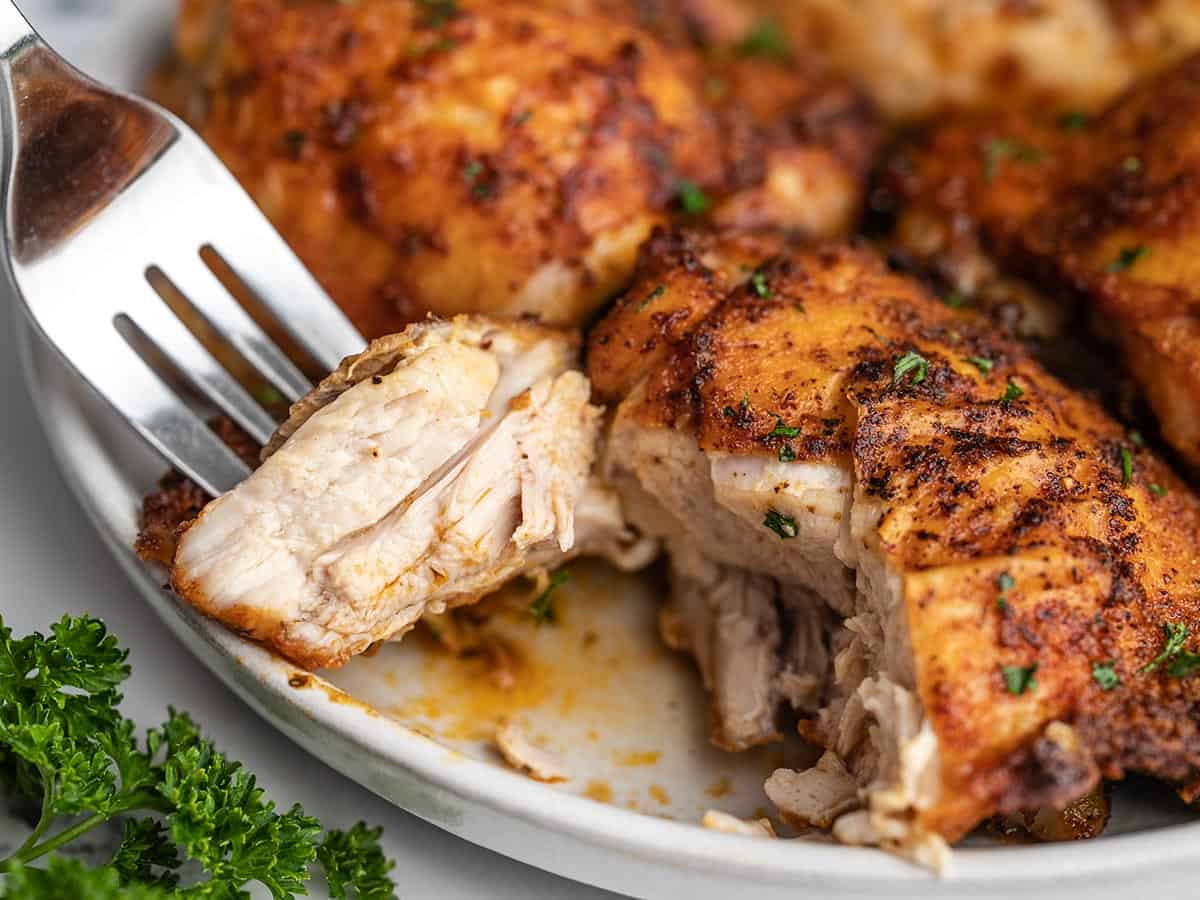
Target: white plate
{"x": 414, "y": 728}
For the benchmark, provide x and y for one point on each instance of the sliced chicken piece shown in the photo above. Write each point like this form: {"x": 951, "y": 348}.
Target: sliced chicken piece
{"x": 423, "y": 473}
{"x": 722, "y": 821}
{"x": 1002, "y": 559}
{"x": 522, "y": 753}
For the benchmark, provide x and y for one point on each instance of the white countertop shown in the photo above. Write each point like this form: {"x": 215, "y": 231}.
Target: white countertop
{"x": 51, "y": 562}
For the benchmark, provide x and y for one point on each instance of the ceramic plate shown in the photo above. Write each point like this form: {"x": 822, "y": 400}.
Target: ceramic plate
{"x": 415, "y": 725}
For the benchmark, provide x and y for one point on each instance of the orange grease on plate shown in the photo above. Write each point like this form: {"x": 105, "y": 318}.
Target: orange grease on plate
{"x": 719, "y": 788}
{"x": 659, "y": 793}
{"x": 600, "y": 791}
{"x": 638, "y": 758}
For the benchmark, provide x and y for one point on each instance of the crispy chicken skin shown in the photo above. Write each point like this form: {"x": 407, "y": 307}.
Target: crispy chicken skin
{"x": 920, "y": 57}
{"x": 1106, "y": 212}
{"x": 993, "y": 533}
{"x": 506, "y": 158}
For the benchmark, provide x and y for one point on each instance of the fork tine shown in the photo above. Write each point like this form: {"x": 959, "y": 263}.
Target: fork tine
{"x": 261, "y": 259}
{"x": 137, "y": 392}
{"x": 189, "y": 275}
{"x": 158, "y": 323}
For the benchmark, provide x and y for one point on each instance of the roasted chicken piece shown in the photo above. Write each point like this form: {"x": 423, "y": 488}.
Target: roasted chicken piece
{"x": 422, "y": 474}
{"x": 506, "y": 158}
{"x": 975, "y": 593}
{"x": 1101, "y": 211}
{"x": 1001, "y": 561}
{"x": 920, "y": 57}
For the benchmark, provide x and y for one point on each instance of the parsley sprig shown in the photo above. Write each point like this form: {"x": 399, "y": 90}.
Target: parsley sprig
{"x": 64, "y": 740}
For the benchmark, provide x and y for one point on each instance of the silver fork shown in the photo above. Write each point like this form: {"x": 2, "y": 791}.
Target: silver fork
{"x": 102, "y": 191}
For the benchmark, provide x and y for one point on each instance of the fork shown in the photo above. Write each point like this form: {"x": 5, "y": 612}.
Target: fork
{"x": 106, "y": 194}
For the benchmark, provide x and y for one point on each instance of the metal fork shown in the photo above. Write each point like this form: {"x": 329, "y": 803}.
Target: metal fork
{"x": 102, "y": 191}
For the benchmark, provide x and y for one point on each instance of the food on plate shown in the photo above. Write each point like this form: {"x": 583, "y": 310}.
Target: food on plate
{"x": 920, "y": 57}
{"x": 506, "y": 158}
{"x": 884, "y": 520}
{"x": 523, "y": 753}
{"x": 423, "y": 473}
{"x": 722, "y": 821}
{"x": 1099, "y": 211}
{"x": 1003, "y": 562}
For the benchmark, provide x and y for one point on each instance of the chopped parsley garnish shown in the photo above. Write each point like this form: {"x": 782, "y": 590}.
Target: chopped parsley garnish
{"x": 910, "y": 362}
{"x": 787, "y": 454}
{"x": 1074, "y": 120}
{"x": 1019, "y": 679}
{"x": 1002, "y": 603}
{"x": 1131, "y": 164}
{"x": 65, "y": 746}
{"x": 781, "y": 430}
{"x": 765, "y": 39}
{"x": 1126, "y": 258}
{"x": 1012, "y": 391}
{"x": 1105, "y": 676}
{"x": 1180, "y": 661}
{"x": 1158, "y": 490}
{"x": 1005, "y": 582}
{"x": 784, "y": 526}
{"x": 437, "y": 12}
{"x": 1136, "y": 438}
{"x": 1126, "y": 466}
{"x": 542, "y": 608}
{"x": 652, "y": 296}
{"x": 982, "y": 363}
{"x": 998, "y": 150}
{"x": 955, "y": 299}
{"x": 692, "y": 199}
{"x": 758, "y": 282}
{"x": 268, "y": 396}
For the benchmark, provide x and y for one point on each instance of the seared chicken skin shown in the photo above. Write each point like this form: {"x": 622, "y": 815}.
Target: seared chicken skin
{"x": 1002, "y": 561}
{"x": 422, "y": 474}
{"x": 1101, "y": 211}
{"x": 506, "y": 158}
{"x": 920, "y": 57}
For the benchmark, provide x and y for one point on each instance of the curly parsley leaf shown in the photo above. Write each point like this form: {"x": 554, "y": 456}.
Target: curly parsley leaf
{"x": 542, "y": 608}
{"x": 1105, "y": 676}
{"x": 910, "y": 363}
{"x": 1019, "y": 679}
{"x": 353, "y": 861}
{"x": 63, "y": 740}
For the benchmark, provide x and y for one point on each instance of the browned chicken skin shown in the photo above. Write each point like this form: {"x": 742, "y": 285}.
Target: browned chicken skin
{"x": 1014, "y": 528}
{"x": 506, "y": 158}
{"x": 1106, "y": 212}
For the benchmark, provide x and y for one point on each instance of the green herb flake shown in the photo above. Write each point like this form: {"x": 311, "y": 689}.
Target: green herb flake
{"x": 651, "y": 297}
{"x": 955, "y": 299}
{"x": 1126, "y": 258}
{"x": 766, "y": 39}
{"x": 1105, "y": 676}
{"x": 1126, "y": 466}
{"x": 787, "y": 454}
{"x": 783, "y": 431}
{"x": 1158, "y": 490}
{"x": 998, "y": 150}
{"x": 1175, "y": 635}
{"x": 913, "y": 363}
{"x": 1002, "y": 604}
{"x": 1137, "y": 439}
{"x": 758, "y": 283}
{"x": 691, "y": 197}
{"x": 982, "y": 363}
{"x": 782, "y": 525}
{"x": 1005, "y": 582}
{"x": 1019, "y": 679}
{"x": 268, "y": 396}
{"x": 1131, "y": 164}
{"x": 542, "y": 609}
{"x": 1012, "y": 391}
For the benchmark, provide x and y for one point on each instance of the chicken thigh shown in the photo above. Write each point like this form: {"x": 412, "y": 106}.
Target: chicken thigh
{"x": 508, "y": 158}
